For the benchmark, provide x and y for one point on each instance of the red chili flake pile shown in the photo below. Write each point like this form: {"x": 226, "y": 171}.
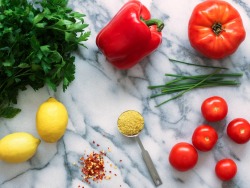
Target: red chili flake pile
{"x": 93, "y": 166}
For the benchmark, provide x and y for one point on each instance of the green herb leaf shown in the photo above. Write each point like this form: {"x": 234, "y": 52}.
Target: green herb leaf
{"x": 9, "y": 112}
{"x": 36, "y": 48}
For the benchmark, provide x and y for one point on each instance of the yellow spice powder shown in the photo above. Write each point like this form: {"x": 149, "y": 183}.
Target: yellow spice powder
{"x": 130, "y": 123}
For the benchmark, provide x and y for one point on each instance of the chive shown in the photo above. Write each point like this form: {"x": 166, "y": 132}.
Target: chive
{"x": 207, "y": 66}
{"x": 203, "y": 85}
{"x": 203, "y": 76}
{"x": 181, "y": 84}
{"x": 181, "y": 93}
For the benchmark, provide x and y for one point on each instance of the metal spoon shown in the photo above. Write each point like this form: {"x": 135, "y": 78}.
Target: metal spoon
{"x": 147, "y": 159}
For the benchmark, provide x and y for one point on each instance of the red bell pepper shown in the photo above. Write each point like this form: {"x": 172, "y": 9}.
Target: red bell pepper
{"x": 130, "y": 35}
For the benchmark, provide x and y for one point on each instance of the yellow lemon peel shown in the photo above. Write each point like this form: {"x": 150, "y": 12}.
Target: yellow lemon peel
{"x": 18, "y": 147}
{"x": 51, "y": 120}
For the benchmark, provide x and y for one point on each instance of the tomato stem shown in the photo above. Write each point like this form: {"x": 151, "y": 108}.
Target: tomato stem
{"x": 217, "y": 28}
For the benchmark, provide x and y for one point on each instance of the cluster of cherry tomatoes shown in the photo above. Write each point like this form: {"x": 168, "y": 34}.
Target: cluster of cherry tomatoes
{"x": 184, "y": 156}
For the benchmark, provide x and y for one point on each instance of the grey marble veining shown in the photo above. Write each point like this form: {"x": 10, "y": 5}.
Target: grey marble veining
{"x": 100, "y": 93}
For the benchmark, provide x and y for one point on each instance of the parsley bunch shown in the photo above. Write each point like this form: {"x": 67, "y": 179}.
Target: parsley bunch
{"x": 36, "y": 42}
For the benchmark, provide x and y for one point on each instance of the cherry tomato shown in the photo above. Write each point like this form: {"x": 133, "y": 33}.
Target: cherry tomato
{"x": 183, "y": 156}
{"x": 214, "y": 109}
{"x": 204, "y": 137}
{"x": 226, "y": 169}
{"x": 239, "y": 130}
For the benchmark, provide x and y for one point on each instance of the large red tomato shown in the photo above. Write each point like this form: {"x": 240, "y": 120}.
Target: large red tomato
{"x": 215, "y": 29}
{"x": 204, "y": 137}
{"x": 239, "y": 130}
{"x": 226, "y": 169}
{"x": 183, "y": 156}
{"x": 214, "y": 109}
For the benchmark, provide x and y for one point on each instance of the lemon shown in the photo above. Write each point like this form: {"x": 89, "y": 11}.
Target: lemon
{"x": 18, "y": 147}
{"x": 51, "y": 120}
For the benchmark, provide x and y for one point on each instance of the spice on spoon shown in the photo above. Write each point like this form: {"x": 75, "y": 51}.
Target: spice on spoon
{"x": 130, "y": 123}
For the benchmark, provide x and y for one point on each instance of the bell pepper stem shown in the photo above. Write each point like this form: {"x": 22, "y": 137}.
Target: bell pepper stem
{"x": 159, "y": 23}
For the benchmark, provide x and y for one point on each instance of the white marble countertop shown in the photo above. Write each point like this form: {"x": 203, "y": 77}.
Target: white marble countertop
{"x": 100, "y": 93}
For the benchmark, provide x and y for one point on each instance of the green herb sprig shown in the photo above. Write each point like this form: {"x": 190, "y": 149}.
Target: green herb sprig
{"x": 197, "y": 65}
{"x": 37, "y": 41}
{"x": 182, "y": 84}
